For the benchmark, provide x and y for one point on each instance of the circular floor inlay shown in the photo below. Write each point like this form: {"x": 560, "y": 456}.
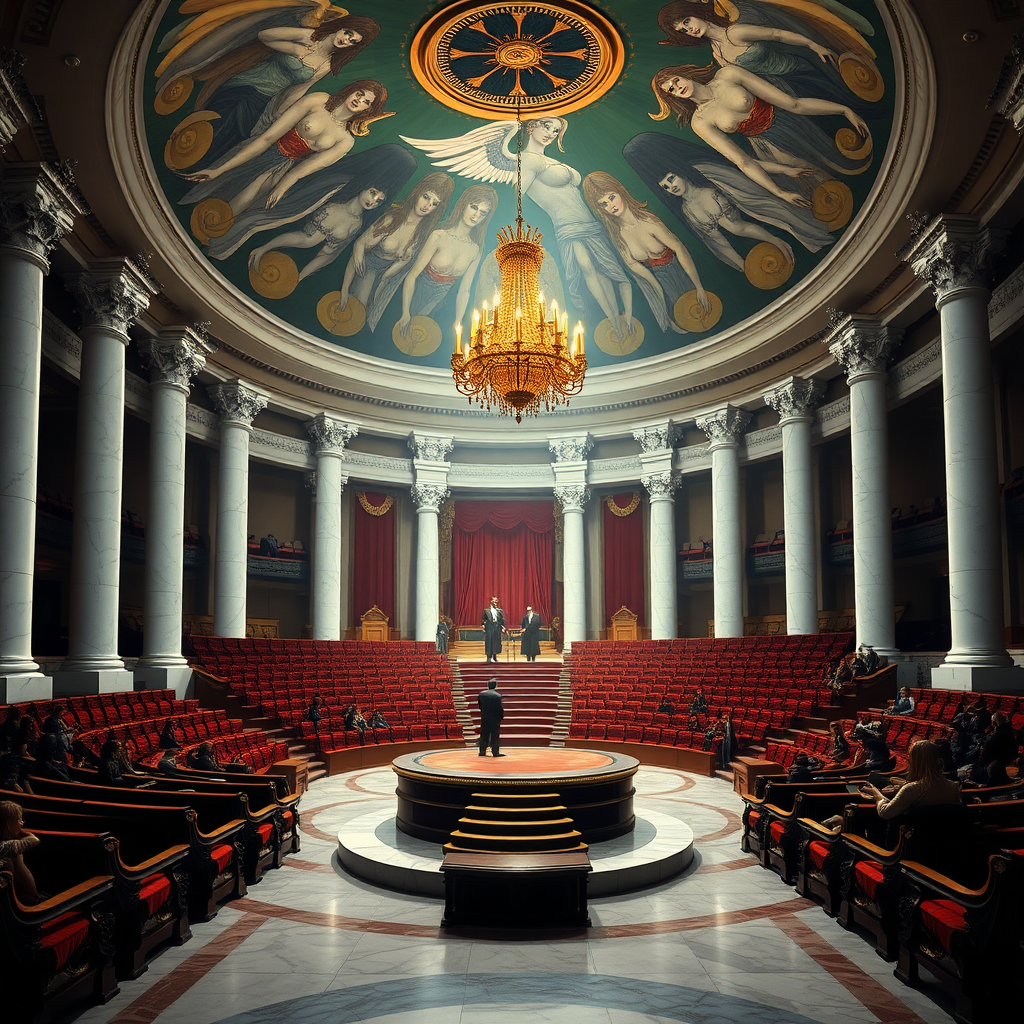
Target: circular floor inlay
{"x": 518, "y": 760}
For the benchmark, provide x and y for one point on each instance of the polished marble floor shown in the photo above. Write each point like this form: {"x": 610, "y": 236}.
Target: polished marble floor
{"x": 726, "y": 941}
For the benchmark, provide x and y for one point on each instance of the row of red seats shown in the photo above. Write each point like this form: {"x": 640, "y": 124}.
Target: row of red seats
{"x": 617, "y": 733}
{"x": 337, "y": 740}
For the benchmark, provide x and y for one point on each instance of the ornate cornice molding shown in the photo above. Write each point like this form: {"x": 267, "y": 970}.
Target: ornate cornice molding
{"x": 724, "y": 427}
{"x": 239, "y": 402}
{"x": 572, "y": 497}
{"x": 571, "y": 449}
{"x": 795, "y": 399}
{"x": 38, "y": 205}
{"x": 174, "y": 357}
{"x": 661, "y": 486}
{"x": 431, "y": 447}
{"x": 330, "y": 434}
{"x": 112, "y": 294}
{"x": 954, "y": 254}
{"x": 862, "y": 345}
{"x": 1008, "y": 94}
{"x": 429, "y": 497}
{"x": 18, "y": 106}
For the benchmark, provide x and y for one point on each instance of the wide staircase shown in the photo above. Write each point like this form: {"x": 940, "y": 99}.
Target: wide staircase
{"x": 515, "y": 823}
{"x": 531, "y": 699}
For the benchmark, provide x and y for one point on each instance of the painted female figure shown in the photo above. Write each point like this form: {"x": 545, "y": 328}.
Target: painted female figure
{"x": 310, "y": 135}
{"x": 452, "y": 253}
{"x": 383, "y": 251}
{"x": 258, "y": 63}
{"x": 587, "y": 257}
{"x": 654, "y": 256}
{"x": 720, "y": 103}
{"x": 711, "y": 197}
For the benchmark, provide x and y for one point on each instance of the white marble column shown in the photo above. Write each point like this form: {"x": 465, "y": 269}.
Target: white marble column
{"x": 795, "y": 400}
{"x": 661, "y": 481}
{"x": 862, "y": 345}
{"x": 175, "y": 356}
{"x": 111, "y": 296}
{"x": 37, "y": 207}
{"x": 330, "y": 435}
{"x": 724, "y": 428}
{"x": 571, "y": 491}
{"x": 238, "y": 404}
{"x": 430, "y": 473}
{"x": 955, "y": 255}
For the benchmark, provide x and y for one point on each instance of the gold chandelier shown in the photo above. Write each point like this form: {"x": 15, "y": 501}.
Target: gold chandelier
{"x": 519, "y": 356}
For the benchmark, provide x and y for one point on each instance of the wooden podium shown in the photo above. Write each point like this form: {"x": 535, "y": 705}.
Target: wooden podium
{"x": 375, "y": 624}
{"x": 624, "y": 625}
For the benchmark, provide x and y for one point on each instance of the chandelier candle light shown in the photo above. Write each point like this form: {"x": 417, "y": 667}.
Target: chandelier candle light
{"x": 519, "y": 354}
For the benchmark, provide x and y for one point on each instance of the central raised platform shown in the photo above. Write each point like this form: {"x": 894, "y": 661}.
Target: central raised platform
{"x": 595, "y": 786}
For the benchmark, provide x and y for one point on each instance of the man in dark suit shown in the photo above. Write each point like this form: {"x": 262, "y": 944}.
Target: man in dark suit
{"x": 530, "y": 640}
{"x": 494, "y": 626}
{"x": 491, "y": 714}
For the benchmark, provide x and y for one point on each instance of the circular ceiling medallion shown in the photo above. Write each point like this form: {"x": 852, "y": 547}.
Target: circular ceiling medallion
{"x": 487, "y": 59}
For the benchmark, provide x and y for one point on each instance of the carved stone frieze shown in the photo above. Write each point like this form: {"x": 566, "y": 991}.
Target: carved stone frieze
{"x": 654, "y": 439}
{"x": 112, "y": 294}
{"x": 572, "y": 497}
{"x": 795, "y": 398}
{"x": 724, "y": 427}
{"x": 281, "y": 443}
{"x": 18, "y": 106}
{"x": 661, "y": 485}
{"x": 237, "y": 401}
{"x": 38, "y": 205}
{"x": 955, "y": 253}
{"x": 174, "y": 357}
{"x": 429, "y": 496}
{"x": 200, "y": 417}
{"x": 1008, "y": 95}
{"x": 431, "y": 448}
{"x": 330, "y": 435}
{"x": 571, "y": 449}
{"x": 862, "y": 344}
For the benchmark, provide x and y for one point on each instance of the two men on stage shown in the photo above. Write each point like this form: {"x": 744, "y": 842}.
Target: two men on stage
{"x": 494, "y": 626}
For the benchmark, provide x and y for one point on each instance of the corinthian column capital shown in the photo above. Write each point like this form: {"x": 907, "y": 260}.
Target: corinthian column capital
{"x": 795, "y": 399}
{"x": 38, "y": 206}
{"x": 954, "y": 253}
{"x": 329, "y": 434}
{"x": 862, "y": 345}
{"x": 113, "y": 294}
{"x": 237, "y": 401}
{"x": 174, "y": 356}
{"x": 724, "y": 427}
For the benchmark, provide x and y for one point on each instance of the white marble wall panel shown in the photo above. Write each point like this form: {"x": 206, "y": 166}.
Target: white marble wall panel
{"x": 327, "y": 547}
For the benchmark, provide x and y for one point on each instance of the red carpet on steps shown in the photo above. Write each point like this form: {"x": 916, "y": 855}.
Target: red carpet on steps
{"x": 530, "y": 693}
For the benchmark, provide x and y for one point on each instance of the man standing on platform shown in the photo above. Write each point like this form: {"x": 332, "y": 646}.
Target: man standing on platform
{"x": 530, "y": 639}
{"x": 494, "y": 626}
{"x": 491, "y": 714}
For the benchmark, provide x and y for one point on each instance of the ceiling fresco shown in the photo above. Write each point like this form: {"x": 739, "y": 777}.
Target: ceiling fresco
{"x": 347, "y": 169}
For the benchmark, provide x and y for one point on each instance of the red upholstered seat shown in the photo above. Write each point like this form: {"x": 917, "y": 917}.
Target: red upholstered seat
{"x": 869, "y": 875}
{"x": 63, "y": 935}
{"x": 944, "y": 919}
{"x": 288, "y": 818}
{"x": 818, "y": 852}
{"x": 777, "y": 830}
{"x": 754, "y": 817}
{"x": 155, "y": 891}
{"x": 222, "y": 856}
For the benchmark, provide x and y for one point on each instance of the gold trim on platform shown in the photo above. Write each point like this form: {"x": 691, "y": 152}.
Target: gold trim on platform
{"x": 563, "y": 79}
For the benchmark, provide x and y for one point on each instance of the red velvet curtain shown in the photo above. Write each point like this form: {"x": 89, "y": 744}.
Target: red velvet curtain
{"x": 373, "y": 562}
{"x": 504, "y": 548}
{"x": 624, "y": 559}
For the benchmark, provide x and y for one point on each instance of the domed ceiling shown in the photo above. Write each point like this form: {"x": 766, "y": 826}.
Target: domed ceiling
{"x": 346, "y": 170}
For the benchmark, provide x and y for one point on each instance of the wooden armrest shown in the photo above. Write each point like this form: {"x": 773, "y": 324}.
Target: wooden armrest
{"x": 815, "y": 828}
{"x": 163, "y": 859}
{"x": 224, "y": 831}
{"x": 63, "y": 901}
{"x": 864, "y": 846}
{"x": 943, "y": 883}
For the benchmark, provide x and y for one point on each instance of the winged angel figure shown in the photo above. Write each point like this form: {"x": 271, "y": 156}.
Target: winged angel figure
{"x": 587, "y": 256}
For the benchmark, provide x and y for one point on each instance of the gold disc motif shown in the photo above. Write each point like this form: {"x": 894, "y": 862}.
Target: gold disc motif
{"x": 767, "y": 266}
{"x": 861, "y": 76}
{"x": 832, "y": 203}
{"x": 692, "y": 316}
{"x": 276, "y": 277}
{"x": 173, "y": 95}
{"x": 211, "y": 218}
{"x": 190, "y": 141}
{"x": 342, "y": 321}
{"x": 854, "y": 146}
{"x": 608, "y": 339}
{"x": 420, "y": 339}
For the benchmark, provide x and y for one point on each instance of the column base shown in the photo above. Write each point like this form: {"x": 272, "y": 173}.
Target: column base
{"x": 79, "y": 682}
{"x": 164, "y": 677}
{"x": 978, "y": 678}
{"x": 19, "y": 686}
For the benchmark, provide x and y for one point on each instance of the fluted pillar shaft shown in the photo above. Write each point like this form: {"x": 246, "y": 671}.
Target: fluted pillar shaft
{"x": 329, "y": 436}
{"x": 430, "y": 489}
{"x": 111, "y": 296}
{"x": 724, "y": 427}
{"x": 174, "y": 358}
{"x": 955, "y": 255}
{"x": 570, "y": 468}
{"x": 795, "y": 400}
{"x": 661, "y": 480}
{"x": 863, "y": 346}
{"x": 238, "y": 404}
{"x": 36, "y": 209}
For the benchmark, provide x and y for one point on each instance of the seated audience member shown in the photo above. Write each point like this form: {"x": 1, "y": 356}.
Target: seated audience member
{"x": 50, "y": 759}
{"x": 9, "y": 729}
{"x": 14, "y": 766}
{"x": 378, "y": 721}
{"x": 699, "y": 704}
{"x": 925, "y": 785}
{"x": 839, "y": 748}
{"x": 870, "y": 735}
{"x": 168, "y": 763}
{"x": 665, "y": 708}
{"x": 82, "y": 756}
{"x": 982, "y": 715}
{"x": 904, "y": 704}
{"x": 946, "y": 757}
{"x": 168, "y": 741}
{"x": 56, "y": 726}
{"x": 354, "y": 718}
{"x": 27, "y": 735}
{"x": 206, "y": 759}
{"x": 803, "y": 767}
{"x": 1001, "y": 742}
{"x": 872, "y": 662}
{"x": 109, "y": 769}
{"x": 14, "y": 841}
{"x": 962, "y": 743}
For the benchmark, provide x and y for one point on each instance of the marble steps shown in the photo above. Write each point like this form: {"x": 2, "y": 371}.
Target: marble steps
{"x": 515, "y": 823}
{"x": 533, "y": 701}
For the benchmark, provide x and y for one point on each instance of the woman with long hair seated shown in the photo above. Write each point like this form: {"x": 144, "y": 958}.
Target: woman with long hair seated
{"x": 14, "y": 841}
{"x": 925, "y": 785}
